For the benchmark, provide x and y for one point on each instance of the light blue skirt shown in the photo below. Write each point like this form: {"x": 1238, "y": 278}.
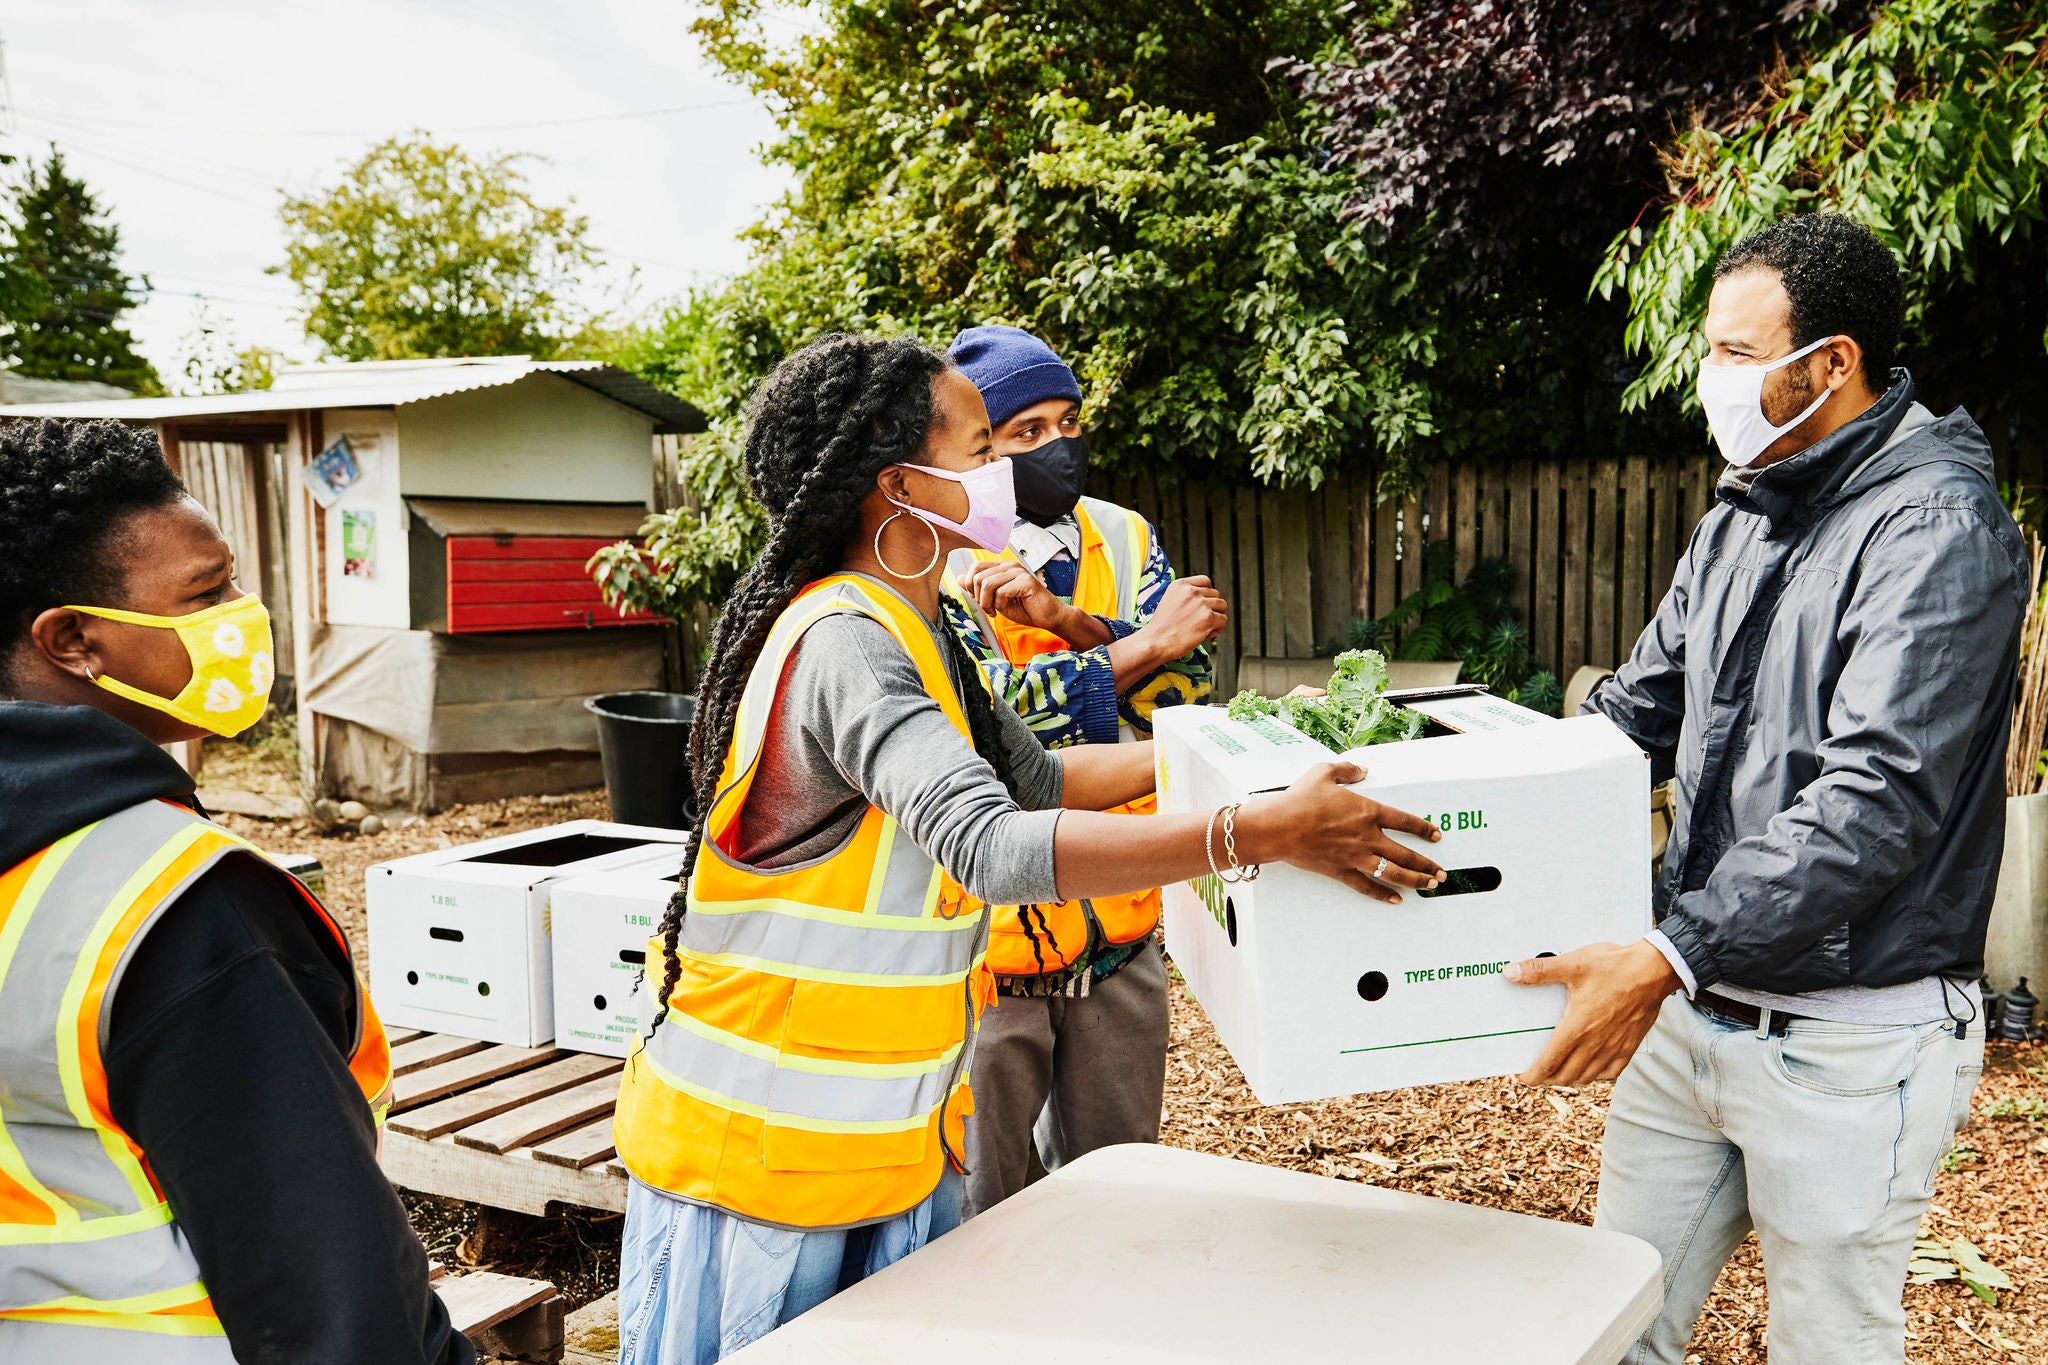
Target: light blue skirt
{"x": 698, "y": 1283}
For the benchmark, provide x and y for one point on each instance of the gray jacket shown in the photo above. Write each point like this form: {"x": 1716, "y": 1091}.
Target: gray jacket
{"x": 1831, "y": 676}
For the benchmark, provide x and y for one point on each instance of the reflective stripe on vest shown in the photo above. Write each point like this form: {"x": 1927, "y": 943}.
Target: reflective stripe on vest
{"x": 1125, "y": 540}
{"x": 796, "y": 1091}
{"x": 88, "y": 1248}
{"x": 1035, "y": 940}
{"x": 810, "y": 1066}
{"x": 775, "y": 936}
{"x": 76, "y": 1343}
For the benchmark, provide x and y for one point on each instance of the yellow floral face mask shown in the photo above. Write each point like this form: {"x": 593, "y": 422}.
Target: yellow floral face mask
{"x": 232, "y": 664}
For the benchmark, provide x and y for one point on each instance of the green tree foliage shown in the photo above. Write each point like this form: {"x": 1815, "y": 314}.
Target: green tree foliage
{"x": 1930, "y": 126}
{"x": 62, "y": 289}
{"x": 678, "y": 350}
{"x": 1127, "y": 181}
{"x": 1508, "y": 143}
{"x": 422, "y": 250}
{"x": 1124, "y": 180}
{"x": 215, "y": 364}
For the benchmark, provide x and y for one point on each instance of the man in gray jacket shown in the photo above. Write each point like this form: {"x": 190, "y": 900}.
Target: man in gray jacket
{"x": 1831, "y": 678}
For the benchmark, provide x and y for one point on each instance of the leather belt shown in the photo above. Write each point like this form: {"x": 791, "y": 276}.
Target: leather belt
{"x": 1749, "y": 1016}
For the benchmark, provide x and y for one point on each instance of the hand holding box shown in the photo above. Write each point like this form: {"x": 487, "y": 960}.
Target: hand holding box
{"x": 1318, "y": 991}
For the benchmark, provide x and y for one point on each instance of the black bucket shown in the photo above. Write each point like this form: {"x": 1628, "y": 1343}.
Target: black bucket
{"x": 644, "y": 738}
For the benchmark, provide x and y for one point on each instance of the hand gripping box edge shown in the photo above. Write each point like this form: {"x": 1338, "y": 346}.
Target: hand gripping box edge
{"x": 1318, "y": 991}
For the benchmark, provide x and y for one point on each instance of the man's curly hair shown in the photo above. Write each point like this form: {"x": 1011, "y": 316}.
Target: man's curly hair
{"x": 66, "y": 490}
{"x": 1841, "y": 280}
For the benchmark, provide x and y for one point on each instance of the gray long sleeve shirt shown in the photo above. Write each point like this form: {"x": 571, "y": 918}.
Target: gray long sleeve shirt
{"x": 853, "y": 726}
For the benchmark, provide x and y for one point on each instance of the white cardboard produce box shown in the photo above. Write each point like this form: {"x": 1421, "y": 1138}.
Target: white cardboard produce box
{"x": 1319, "y": 991}
{"x": 459, "y": 936}
{"x": 602, "y": 921}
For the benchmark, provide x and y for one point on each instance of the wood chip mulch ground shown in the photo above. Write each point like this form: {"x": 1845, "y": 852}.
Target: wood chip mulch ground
{"x": 1537, "y": 1151}
{"x": 1486, "y": 1142}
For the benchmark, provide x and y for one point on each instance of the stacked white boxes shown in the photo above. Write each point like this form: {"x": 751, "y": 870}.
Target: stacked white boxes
{"x": 1319, "y": 991}
{"x": 459, "y": 936}
{"x": 602, "y": 921}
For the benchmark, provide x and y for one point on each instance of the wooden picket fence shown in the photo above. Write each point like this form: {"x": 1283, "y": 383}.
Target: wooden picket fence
{"x": 1593, "y": 542}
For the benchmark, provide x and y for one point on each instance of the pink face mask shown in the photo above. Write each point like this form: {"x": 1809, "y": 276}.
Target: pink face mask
{"x": 991, "y": 504}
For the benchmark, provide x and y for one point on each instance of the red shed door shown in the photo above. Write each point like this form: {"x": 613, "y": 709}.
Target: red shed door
{"x": 515, "y": 582}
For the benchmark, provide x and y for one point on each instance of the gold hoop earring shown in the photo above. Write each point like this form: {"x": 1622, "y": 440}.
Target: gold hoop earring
{"x": 929, "y": 564}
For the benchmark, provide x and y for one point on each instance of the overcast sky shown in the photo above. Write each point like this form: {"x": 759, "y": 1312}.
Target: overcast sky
{"x": 187, "y": 118}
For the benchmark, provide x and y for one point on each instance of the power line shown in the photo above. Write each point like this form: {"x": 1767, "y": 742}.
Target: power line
{"x": 163, "y": 162}
{"x": 212, "y": 190}
{"x": 90, "y": 137}
{"x": 6, "y": 93}
{"x": 604, "y": 118}
{"x": 89, "y": 121}
{"x": 227, "y": 298}
{"x": 185, "y": 278}
{"x": 144, "y": 287}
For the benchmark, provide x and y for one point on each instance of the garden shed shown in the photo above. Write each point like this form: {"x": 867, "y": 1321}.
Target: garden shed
{"x": 427, "y": 522}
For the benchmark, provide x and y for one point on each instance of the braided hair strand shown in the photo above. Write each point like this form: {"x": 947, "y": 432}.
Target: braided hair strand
{"x": 820, "y": 429}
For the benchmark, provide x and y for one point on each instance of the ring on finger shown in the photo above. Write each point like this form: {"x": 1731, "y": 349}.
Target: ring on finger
{"x": 1379, "y": 873}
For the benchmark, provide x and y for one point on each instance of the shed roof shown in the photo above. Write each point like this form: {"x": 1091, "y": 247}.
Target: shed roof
{"x": 484, "y": 517}
{"x": 385, "y": 384}
{"x": 19, "y": 388}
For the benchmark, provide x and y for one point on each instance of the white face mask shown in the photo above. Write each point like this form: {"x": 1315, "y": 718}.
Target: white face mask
{"x": 1733, "y": 397}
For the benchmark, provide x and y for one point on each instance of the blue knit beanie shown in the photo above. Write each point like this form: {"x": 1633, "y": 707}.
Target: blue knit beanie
{"x": 1013, "y": 369}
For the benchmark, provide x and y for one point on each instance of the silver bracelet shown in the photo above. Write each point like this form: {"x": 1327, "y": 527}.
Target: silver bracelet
{"x": 1244, "y": 873}
{"x": 1209, "y": 845}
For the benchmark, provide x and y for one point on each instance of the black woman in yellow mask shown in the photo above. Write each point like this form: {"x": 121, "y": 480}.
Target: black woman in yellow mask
{"x": 190, "y": 1072}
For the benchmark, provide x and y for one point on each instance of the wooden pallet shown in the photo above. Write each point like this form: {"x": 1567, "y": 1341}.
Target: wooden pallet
{"x": 504, "y": 1316}
{"x": 523, "y": 1128}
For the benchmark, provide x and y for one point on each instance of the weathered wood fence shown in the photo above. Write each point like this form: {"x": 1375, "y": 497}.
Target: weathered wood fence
{"x": 237, "y": 482}
{"x": 1593, "y": 543}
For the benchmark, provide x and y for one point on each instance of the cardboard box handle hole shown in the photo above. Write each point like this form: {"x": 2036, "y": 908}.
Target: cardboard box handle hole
{"x": 1465, "y": 881}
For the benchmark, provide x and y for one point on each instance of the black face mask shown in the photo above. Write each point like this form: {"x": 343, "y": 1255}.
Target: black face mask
{"x": 1049, "y": 478}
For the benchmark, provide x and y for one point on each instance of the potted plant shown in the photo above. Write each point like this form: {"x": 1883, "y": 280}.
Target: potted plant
{"x": 2017, "y": 945}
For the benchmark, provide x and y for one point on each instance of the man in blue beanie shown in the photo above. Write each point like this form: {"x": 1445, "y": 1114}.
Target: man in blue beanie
{"x": 1082, "y": 627}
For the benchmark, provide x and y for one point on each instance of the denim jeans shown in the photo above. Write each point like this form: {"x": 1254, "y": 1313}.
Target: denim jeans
{"x": 698, "y": 1283}
{"x": 1825, "y": 1140}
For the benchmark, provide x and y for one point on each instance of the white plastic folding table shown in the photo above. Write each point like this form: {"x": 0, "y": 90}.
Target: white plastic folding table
{"x": 1152, "y": 1255}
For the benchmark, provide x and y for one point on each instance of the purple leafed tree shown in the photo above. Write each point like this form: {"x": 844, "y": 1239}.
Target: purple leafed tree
{"x": 1495, "y": 129}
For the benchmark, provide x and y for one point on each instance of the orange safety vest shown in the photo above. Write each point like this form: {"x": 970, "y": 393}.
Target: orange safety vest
{"x": 1030, "y": 940}
{"x": 810, "y": 1069}
{"x": 93, "y": 1268}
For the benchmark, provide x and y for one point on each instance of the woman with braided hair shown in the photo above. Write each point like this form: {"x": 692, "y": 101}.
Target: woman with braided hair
{"x": 793, "y": 1118}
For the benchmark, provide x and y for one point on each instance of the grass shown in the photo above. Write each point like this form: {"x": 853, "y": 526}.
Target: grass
{"x": 1961, "y": 1155}
{"x": 2032, "y": 1108}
